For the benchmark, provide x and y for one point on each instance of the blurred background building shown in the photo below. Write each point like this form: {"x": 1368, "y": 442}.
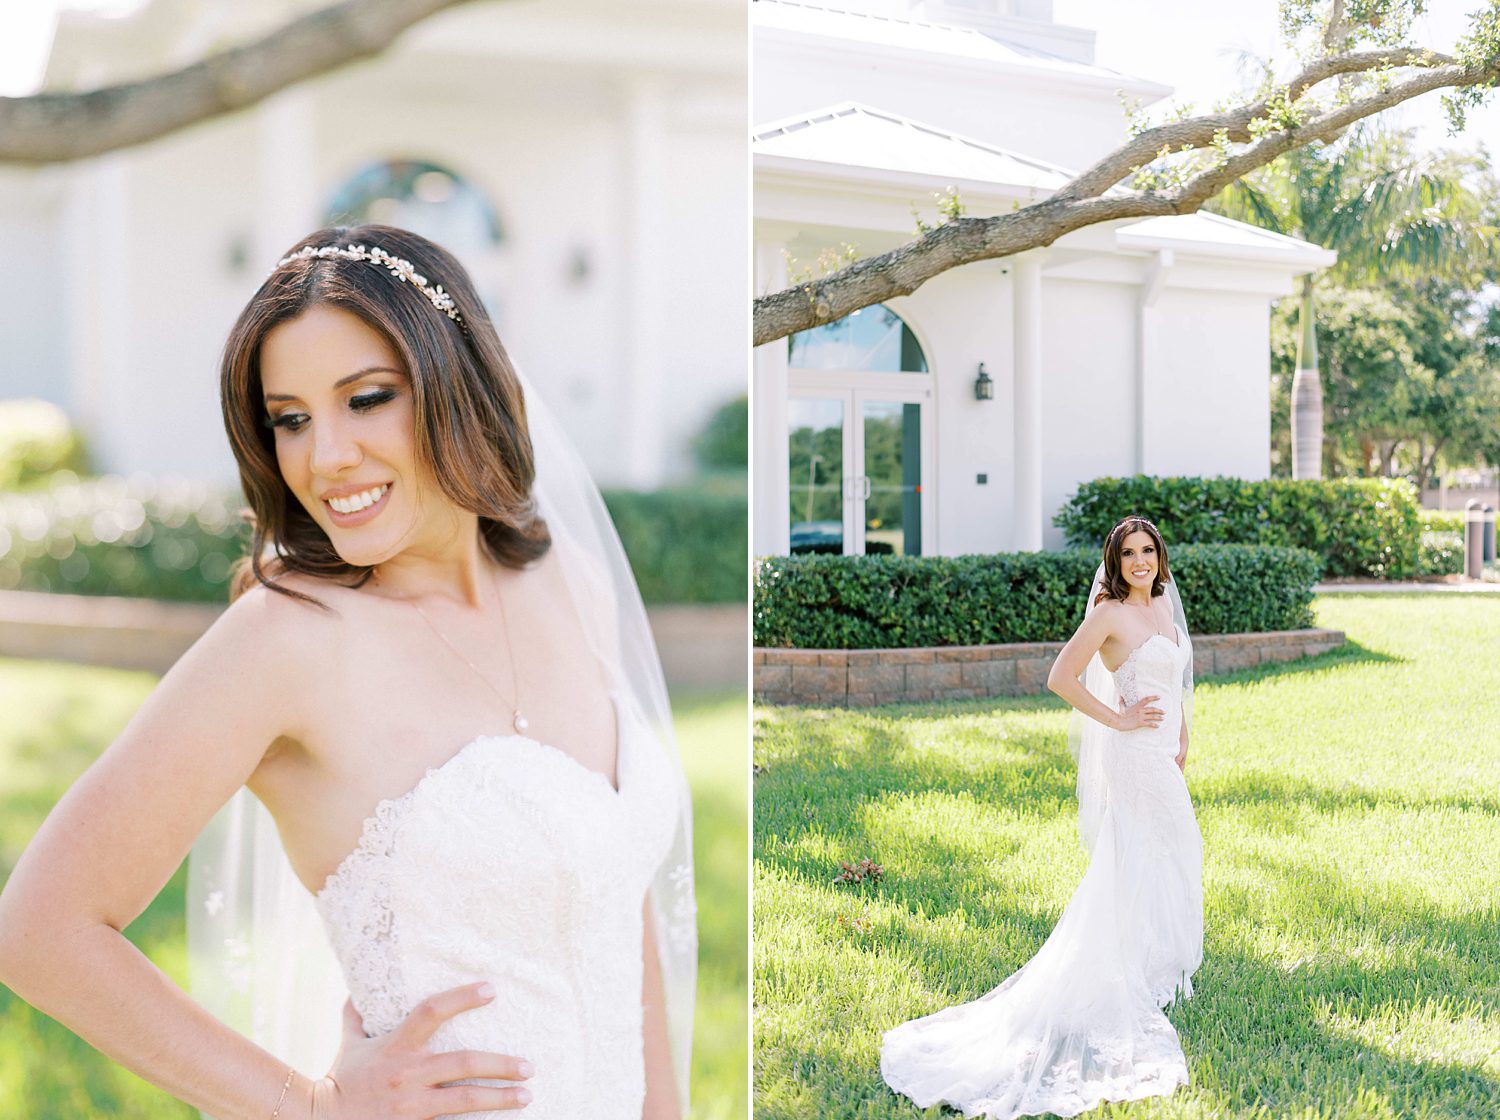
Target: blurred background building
{"x": 585, "y": 159}
{"x": 960, "y": 418}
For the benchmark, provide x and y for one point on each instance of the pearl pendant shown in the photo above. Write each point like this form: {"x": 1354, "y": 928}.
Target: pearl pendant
{"x": 519, "y": 721}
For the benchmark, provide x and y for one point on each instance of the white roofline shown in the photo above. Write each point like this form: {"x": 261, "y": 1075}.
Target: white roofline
{"x": 816, "y": 117}
{"x": 1278, "y": 247}
{"x": 1058, "y": 72}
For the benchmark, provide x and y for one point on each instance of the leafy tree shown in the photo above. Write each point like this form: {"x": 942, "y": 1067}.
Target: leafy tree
{"x": 1411, "y": 374}
{"x": 1387, "y": 212}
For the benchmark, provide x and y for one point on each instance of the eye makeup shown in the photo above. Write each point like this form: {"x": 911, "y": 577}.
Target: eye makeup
{"x": 363, "y": 402}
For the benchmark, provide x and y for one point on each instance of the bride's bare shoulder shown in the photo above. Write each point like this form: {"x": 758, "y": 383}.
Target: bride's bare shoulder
{"x": 299, "y": 620}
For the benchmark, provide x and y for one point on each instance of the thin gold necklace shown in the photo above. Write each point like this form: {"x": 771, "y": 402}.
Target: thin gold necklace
{"x": 517, "y": 720}
{"x": 1151, "y": 607}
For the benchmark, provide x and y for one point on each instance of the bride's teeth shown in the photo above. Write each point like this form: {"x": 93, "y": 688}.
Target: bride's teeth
{"x": 356, "y": 502}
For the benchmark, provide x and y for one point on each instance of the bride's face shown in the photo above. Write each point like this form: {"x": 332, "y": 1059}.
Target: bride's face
{"x": 1138, "y": 559}
{"x": 340, "y": 403}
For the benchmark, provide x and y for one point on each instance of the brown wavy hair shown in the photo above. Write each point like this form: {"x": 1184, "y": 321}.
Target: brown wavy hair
{"x": 1115, "y": 584}
{"x": 471, "y": 429}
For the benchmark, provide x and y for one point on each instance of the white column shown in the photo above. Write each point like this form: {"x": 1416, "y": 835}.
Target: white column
{"x": 1147, "y": 341}
{"x": 1027, "y": 403}
{"x": 645, "y": 291}
{"x": 769, "y": 435}
{"x": 286, "y": 196}
{"x": 100, "y": 283}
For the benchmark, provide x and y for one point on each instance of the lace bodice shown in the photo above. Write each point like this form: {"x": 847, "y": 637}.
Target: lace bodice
{"x": 512, "y": 862}
{"x": 1153, "y": 668}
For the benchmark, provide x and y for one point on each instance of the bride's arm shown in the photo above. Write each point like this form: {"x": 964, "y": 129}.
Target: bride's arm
{"x": 1074, "y": 658}
{"x": 115, "y": 838}
{"x": 661, "y": 1081}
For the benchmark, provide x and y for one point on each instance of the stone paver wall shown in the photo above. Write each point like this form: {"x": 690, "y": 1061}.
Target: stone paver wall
{"x": 859, "y": 678}
{"x": 701, "y": 645}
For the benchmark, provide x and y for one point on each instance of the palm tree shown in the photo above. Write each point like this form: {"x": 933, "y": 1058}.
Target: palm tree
{"x": 1386, "y": 212}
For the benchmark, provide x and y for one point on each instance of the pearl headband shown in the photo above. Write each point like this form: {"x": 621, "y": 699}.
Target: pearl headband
{"x": 398, "y": 267}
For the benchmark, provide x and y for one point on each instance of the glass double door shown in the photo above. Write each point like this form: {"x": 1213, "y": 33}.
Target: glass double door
{"x": 855, "y": 471}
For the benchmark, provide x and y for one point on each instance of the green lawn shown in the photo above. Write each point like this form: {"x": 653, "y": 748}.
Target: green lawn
{"x": 1350, "y": 809}
{"x": 57, "y": 718}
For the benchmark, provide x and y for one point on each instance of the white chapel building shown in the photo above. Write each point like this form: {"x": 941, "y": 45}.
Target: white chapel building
{"x": 584, "y": 159}
{"x": 1133, "y": 347}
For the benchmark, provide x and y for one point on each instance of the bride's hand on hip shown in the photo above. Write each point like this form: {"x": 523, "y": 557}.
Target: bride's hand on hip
{"x": 1140, "y": 714}
{"x": 396, "y": 1077}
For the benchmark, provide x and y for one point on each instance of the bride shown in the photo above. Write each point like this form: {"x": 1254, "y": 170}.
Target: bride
{"x": 1081, "y": 1022}
{"x": 511, "y": 920}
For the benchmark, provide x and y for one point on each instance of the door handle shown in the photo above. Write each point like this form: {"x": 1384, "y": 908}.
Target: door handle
{"x": 866, "y": 480}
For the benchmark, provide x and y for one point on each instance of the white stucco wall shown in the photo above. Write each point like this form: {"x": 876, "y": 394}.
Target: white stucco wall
{"x": 34, "y": 312}
{"x": 1088, "y": 388}
{"x": 1208, "y": 385}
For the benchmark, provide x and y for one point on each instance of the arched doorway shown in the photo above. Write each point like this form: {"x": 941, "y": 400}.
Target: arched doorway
{"x": 429, "y": 199}
{"x": 859, "y": 397}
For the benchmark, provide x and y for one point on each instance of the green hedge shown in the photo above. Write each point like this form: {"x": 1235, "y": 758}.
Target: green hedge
{"x": 1360, "y": 527}
{"x": 36, "y": 440}
{"x": 1442, "y": 521}
{"x": 116, "y": 536}
{"x": 686, "y": 546}
{"x": 113, "y": 536}
{"x": 890, "y": 602}
{"x": 1442, "y": 554}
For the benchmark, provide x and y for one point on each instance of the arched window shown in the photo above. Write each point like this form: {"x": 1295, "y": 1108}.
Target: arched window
{"x": 423, "y": 197}
{"x": 872, "y": 339}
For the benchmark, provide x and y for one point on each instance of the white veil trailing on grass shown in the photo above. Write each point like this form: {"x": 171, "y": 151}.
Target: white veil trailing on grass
{"x": 258, "y": 955}
{"x": 1088, "y": 739}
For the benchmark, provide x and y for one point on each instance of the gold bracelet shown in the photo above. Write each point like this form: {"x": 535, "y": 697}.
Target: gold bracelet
{"x": 285, "y": 1085}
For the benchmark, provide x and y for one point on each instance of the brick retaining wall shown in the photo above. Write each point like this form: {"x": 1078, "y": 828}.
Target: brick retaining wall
{"x": 860, "y": 678}
{"x": 701, "y": 645}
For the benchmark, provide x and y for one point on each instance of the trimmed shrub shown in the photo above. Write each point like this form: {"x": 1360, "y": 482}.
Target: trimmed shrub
{"x": 1359, "y": 526}
{"x": 686, "y": 546}
{"x": 116, "y": 536}
{"x": 724, "y": 444}
{"x": 1441, "y": 521}
{"x": 177, "y": 540}
{"x": 1442, "y": 549}
{"x": 1442, "y": 554}
{"x": 892, "y": 602}
{"x": 36, "y": 439}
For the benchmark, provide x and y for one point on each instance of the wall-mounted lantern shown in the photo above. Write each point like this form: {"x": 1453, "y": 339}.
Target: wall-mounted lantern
{"x": 984, "y": 386}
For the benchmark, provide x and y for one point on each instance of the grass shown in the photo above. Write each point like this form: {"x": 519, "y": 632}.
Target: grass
{"x": 58, "y": 718}
{"x": 1350, "y": 810}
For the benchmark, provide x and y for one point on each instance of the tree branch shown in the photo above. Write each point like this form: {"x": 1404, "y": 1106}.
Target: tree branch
{"x": 58, "y": 127}
{"x": 1083, "y": 202}
{"x": 1201, "y": 131}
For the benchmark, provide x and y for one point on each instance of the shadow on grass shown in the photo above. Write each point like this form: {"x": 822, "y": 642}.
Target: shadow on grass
{"x": 1263, "y": 1036}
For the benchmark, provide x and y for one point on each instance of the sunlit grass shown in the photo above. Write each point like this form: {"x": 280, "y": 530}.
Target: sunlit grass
{"x": 57, "y": 718}
{"x": 1350, "y": 809}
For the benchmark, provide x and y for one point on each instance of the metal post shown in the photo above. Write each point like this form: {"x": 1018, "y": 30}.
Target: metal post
{"x": 1489, "y": 533}
{"x": 1473, "y": 539}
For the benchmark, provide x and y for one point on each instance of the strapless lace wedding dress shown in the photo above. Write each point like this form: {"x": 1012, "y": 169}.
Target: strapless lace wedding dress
{"x": 1081, "y": 1022}
{"x": 512, "y": 862}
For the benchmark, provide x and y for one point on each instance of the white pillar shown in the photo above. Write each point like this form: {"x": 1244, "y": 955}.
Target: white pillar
{"x": 286, "y": 196}
{"x": 1027, "y": 403}
{"x": 100, "y": 284}
{"x": 769, "y": 436}
{"x": 645, "y": 439}
{"x": 1147, "y": 341}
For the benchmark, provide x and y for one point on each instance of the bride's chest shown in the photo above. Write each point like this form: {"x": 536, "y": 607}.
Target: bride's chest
{"x": 512, "y": 818}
